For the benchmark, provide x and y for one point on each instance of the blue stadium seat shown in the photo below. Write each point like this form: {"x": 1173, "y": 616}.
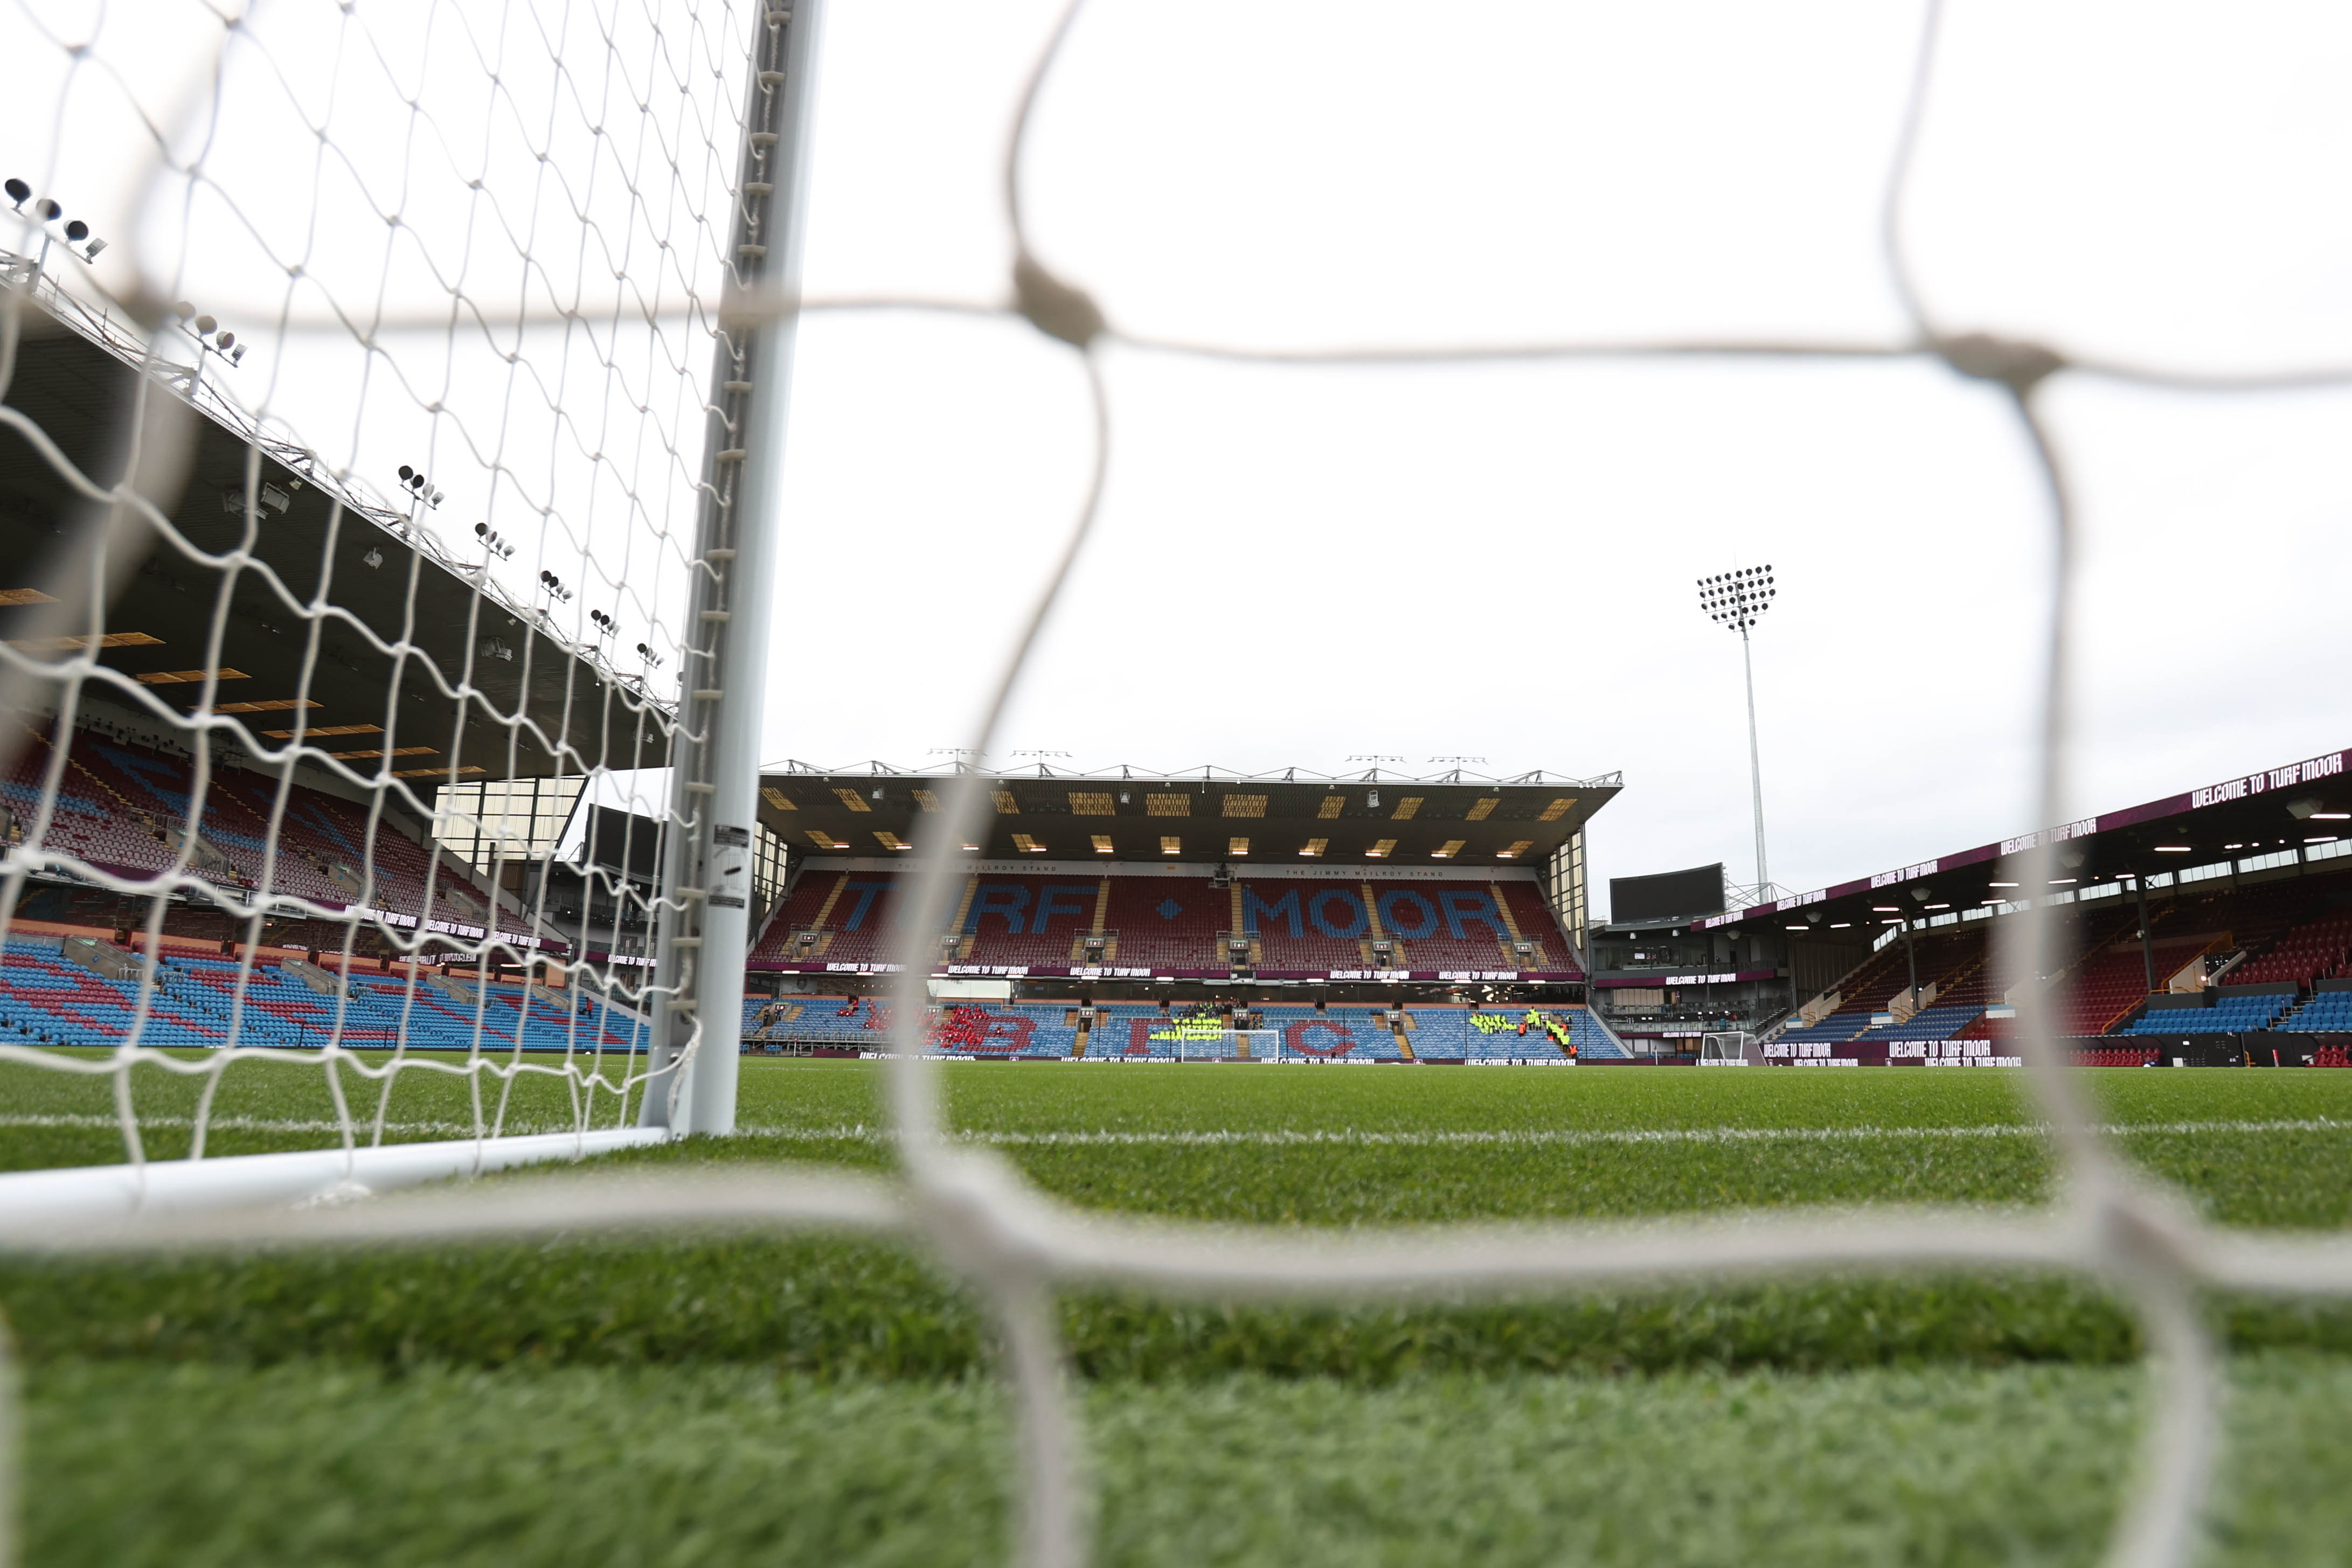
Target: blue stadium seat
{"x": 2228, "y": 1015}
{"x": 2328, "y": 1013}
{"x": 1928, "y": 1024}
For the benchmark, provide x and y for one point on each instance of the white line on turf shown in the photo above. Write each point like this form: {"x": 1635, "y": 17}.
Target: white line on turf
{"x": 270, "y": 1124}
{"x": 1540, "y": 1136}
{"x": 1279, "y": 1137}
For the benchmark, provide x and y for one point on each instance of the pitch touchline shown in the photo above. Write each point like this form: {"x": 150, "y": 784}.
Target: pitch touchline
{"x": 1354, "y": 1137}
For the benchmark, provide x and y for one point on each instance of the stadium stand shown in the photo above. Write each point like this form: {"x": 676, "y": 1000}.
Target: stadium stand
{"x": 1862, "y": 995}
{"x": 1034, "y": 921}
{"x": 2228, "y": 1015}
{"x": 1524, "y": 908}
{"x": 1511, "y": 1033}
{"x": 1936, "y": 1023}
{"x": 122, "y": 806}
{"x": 1954, "y": 979}
{"x": 2304, "y": 953}
{"x": 1029, "y": 1029}
{"x": 48, "y": 999}
{"x": 2330, "y": 1012}
{"x": 1333, "y": 1033}
{"x": 1040, "y": 1030}
{"x": 1165, "y": 925}
{"x": 1446, "y": 925}
{"x": 1172, "y": 924}
{"x": 1124, "y": 1029}
{"x": 1306, "y": 927}
{"x": 834, "y": 916}
{"x": 862, "y": 1022}
{"x": 2116, "y": 1055}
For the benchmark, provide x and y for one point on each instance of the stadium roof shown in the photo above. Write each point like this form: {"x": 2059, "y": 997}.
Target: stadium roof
{"x": 1196, "y": 813}
{"x": 2251, "y": 822}
{"x": 73, "y": 370}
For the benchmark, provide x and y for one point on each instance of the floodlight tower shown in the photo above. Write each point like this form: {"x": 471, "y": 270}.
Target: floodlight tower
{"x": 1737, "y": 600}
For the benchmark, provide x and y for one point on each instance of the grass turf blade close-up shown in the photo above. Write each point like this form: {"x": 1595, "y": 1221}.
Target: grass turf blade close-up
{"x": 142, "y": 1466}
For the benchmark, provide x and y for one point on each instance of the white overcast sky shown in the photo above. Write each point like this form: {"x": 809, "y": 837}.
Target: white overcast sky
{"x": 1297, "y": 564}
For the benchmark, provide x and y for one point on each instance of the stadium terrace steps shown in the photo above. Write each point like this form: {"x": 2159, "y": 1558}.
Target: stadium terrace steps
{"x": 1864, "y": 989}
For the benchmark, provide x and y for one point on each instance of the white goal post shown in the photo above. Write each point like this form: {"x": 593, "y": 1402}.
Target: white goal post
{"x": 1233, "y": 1046}
{"x": 466, "y": 547}
{"x": 1731, "y": 1048}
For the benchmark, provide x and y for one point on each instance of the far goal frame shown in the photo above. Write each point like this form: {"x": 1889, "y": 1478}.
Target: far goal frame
{"x": 1233, "y": 1046}
{"x": 1728, "y": 1048}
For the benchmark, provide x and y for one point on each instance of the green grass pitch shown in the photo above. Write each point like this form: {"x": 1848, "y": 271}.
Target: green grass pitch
{"x": 829, "y": 1401}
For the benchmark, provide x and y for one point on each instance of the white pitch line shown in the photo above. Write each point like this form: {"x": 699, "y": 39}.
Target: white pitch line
{"x": 1340, "y": 1137}
{"x": 1348, "y": 1136}
{"x": 269, "y": 1124}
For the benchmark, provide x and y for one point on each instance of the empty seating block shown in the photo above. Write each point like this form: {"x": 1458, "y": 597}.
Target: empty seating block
{"x": 1332, "y": 1033}
{"x": 1172, "y": 924}
{"x": 1937, "y": 1023}
{"x": 124, "y": 806}
{"x": 2330, "y": 1012}
{"x": 2228, "y": 1015}
{"x": 200, "y": 1003}
{"x": 1837, "y": 1027}
{"x": 2315, "y": 950}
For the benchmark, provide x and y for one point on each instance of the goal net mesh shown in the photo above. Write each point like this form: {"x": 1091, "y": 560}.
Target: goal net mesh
{"x": 361, "y": 359}
{"x": 533, "y": 210}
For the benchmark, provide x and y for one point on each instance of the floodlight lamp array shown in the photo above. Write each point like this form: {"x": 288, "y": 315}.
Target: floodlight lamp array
{"x": 48, "y": 211}
{"x": 1737, "y": 599}
{"x": 413, "y": 482}
{"x": 209, "y": 335}
{"x": 496, "y": 544}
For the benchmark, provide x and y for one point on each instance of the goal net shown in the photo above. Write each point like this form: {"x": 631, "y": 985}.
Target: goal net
{"x": 383, "y": 656}
{"x": 1231, "y": 1046}
{"x": 393, "y": 402}
{"x": 1735, "y": 1049}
